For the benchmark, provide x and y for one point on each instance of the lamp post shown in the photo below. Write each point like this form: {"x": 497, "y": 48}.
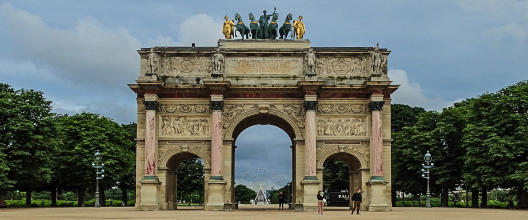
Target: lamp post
{"x": 98, "y": 176}
{"x": 426, "y": 175}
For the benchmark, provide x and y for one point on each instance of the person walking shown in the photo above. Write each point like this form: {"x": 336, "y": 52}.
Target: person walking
{"x": 356, "y": 200}
{"x": 320, "y": 202}
{"x": 282, "y": 198}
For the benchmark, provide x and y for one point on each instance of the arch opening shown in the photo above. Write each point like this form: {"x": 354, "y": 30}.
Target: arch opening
{"x": 185, "y": 187}
{"x": 261, "y": 144}
{"x": 341, "y": 177}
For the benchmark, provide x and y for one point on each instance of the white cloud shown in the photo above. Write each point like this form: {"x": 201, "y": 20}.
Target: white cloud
{"x": 13, "y": 67}
{"x": 88, "y": 53}
{"x": 201, "y": 29}
{"x": 506, "y": 34}
{"x": 411, "y": 93}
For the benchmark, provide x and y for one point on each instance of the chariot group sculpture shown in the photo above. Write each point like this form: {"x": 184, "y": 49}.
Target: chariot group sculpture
{"x": 261, "y": 29}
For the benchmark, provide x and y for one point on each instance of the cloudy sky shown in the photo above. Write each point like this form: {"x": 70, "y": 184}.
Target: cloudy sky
{"x": 82, "y": 54}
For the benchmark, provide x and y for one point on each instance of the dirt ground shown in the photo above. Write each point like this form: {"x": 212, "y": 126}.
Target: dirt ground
{"x": 264, "y": 213}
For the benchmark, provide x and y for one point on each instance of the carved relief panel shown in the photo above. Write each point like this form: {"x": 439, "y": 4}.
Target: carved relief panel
{"x": 342, "y": 126}
{"x": 342, "y": 108}
{"x": 184, "y": 126}
{"x": 183, "y": 108}
{"x": 166, "y": 151}
{"x": 354, "y": 66}
{"x": 360, "y": 151}
{"x": 185, "y": 66}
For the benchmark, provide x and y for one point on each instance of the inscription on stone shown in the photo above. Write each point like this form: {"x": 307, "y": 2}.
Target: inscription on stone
{"x": 264, "y": 65}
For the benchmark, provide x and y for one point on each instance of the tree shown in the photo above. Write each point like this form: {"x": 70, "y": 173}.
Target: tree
{"x": 335, "y": 175}
{"x": 243, "y": 194}
{"x": 81, "y": 136}
{"x": 190, "y": 176}
{"x": 27, "y": 139}
{"x": 403, "y": 117}
{"x": 128, "y": 181}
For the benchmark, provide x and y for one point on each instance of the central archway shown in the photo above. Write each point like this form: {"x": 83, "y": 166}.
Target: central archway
{"x": 266, "y": 119}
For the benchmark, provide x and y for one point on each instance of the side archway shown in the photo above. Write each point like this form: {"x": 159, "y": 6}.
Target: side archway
{"x": 171, "y": 160}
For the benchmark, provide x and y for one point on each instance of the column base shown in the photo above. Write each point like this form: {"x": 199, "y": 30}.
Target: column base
{"x": 215, "y": 196}
{"x": 310, "y": 189}
{"x": 149, "y": 194}
{"x": 298, "y": 207}
{"x": 377, "y": 193}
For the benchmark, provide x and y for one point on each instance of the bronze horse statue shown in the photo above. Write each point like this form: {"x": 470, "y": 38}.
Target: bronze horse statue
{"x": 286, "y": 27}
{"x": 241, "y": 27}
{"x": 253, "y": 26}
{"x": 272, "y": 27}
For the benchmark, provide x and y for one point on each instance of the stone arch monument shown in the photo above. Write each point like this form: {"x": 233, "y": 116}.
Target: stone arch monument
{"x": 334, "y": 102}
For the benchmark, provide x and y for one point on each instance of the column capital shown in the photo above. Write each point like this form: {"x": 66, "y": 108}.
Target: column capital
{"x": 217, "y": 105}
{"x": 376, "y": 105}
{"x": 310, "y": 105}
{"x": 151, "y": 105}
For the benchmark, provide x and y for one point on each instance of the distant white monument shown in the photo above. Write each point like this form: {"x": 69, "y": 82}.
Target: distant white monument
{"x": 261, "y": 197}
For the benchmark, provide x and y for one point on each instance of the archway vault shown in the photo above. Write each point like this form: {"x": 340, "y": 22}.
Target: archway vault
{"x": 357, "y": 151}
{"x": 167, "y": 152}
{"x": 288, "y": 117}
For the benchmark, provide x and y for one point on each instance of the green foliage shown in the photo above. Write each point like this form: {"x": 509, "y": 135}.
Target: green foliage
{"x": 81, "y": 136}
{"x": 274, "y": 194}
{"x": 190, "y": 176}
{"x": 335, "y": 175}
{"x": 27, "y": 140}
{"x": 243, "y": 194}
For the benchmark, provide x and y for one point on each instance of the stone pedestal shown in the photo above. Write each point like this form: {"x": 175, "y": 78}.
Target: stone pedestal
{"x": 377, "y": 194}
{"x": 149, "y": 193}
{"x": 310, "y": 190}
{"x": 215, "y": 197}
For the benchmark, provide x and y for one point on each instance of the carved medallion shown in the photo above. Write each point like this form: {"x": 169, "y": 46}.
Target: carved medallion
{"x": 186, "y": 66}
{"x": 340, "y": 66}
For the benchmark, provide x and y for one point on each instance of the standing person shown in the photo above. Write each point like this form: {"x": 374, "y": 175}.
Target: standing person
{"x": 282, "y": 198}
{"x": 356, "y": 200}
{"x": 320, "y": 202}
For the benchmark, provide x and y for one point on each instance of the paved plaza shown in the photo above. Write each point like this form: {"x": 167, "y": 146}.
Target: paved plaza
{"x": 264, "y": 213}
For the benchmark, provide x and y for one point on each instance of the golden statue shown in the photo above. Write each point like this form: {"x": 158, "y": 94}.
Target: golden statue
{"x": 298, "y": 28}
{"x": 229, "y": 25}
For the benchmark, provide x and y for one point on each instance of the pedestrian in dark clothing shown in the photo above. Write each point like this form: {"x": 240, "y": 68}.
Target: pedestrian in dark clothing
{"x": 320, "y": 202}
{"x": 356, "y": 200}
{"x": 282, "y": 198}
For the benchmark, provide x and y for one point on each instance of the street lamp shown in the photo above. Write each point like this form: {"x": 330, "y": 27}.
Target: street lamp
{"x": 426, "y": 175}
{"x": 98, "y": 176}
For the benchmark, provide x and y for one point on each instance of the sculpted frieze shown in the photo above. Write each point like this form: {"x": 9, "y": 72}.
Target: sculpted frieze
{"x": 184, "y": 108}
{"x": 296, "y": 111}
{"x": 360, "y": 151}
{"x": 349, "y": 126}
{"x": 184, "y": 126}
{"x": 342, "y": 109}
{"x": 186, "y": 66}
{"x": 167, "y": 151}
{"x": 230, "y": 111}
{"x": 357, "y": 66}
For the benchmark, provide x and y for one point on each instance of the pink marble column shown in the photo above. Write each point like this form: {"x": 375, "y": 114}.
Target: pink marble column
{"x": 216, "y": 139}
{"x": 310, "y": 139}
{"x": 150, "y": 136}
{"x": 376, "y": 105}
